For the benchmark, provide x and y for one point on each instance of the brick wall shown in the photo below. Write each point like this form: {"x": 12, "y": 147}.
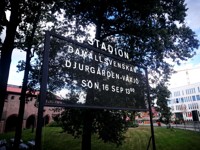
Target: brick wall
{"x": 11, "y": 108}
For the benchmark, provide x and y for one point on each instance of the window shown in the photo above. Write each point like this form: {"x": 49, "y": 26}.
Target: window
{"x": 182, "y": 100}
{"x": 190, "y": 91}
{"x": 189, "y": 106}
{"x": 198, "y": 97}
{"x": 12, "y": 97}
{"x": 194, "y": 90}
{"x": 190, "y": 98}
{"x": 177, "y": 93}
{"x": 193, "y": 98}
{"x": 186, "y": 91}
{"x": 182, "y": 92}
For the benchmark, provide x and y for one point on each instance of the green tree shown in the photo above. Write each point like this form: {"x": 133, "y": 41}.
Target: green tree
{"x": 27, "y": 45}
{"x": 18, "y": 25}
{"x": 150, "y": 31}
{"x": 162, "y": 95}
{"x": 8, "y": 44}
{"x": 109, "y": 125}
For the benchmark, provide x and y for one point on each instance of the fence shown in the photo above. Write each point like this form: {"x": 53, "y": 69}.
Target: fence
{"x": 188, "y": 125}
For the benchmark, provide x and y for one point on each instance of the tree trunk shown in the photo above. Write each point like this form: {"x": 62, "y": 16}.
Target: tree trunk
{"x": 29, "y": 40}
{"x": 4, "y": 73}
{"x": 6, "y": 51}
{"x": 18, "y": 131}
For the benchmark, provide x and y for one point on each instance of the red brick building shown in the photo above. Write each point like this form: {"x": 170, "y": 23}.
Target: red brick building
{"x": 11, "y": 108}
{"x": 144, "y": 117}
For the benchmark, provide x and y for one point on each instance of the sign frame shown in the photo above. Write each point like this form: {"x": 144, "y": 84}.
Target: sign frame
{"x": 91, "y": 48}
{"x": 43, "y": 89}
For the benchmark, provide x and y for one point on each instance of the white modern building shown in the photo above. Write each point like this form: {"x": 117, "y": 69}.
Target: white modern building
{"x": 185, "y": 102}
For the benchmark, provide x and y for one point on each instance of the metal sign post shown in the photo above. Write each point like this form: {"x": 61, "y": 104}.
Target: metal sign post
{"x": 42, "y": 96}
{"x": 150, "y": 111}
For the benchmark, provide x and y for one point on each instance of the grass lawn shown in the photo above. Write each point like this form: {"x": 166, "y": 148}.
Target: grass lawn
{"x": 136, "y": 139}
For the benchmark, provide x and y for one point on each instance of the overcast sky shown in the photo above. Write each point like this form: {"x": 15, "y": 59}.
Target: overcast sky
{"x": 188, "y": 72}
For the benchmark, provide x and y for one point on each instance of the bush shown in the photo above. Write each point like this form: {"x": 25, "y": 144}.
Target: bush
{"x": 132, "y": 124}
{"x": 54, "y": 124}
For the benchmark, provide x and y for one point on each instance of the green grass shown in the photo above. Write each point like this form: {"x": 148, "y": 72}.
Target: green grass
{"x": 136, "y": 139}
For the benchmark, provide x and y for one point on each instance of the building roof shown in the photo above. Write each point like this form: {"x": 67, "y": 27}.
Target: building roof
{"x": 14, "y": 89}
{"x": 17, "y": 90}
